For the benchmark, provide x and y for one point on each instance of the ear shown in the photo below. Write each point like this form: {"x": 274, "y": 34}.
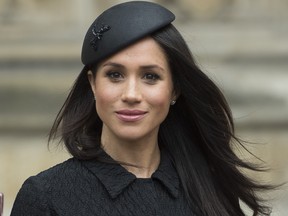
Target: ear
{"x": 91, "y": 79}
{"x": 174, "y": 96}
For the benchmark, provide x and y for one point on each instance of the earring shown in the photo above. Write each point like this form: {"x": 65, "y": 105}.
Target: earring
{"x": 173, "y": 102}
{"x": 94, "y": 98}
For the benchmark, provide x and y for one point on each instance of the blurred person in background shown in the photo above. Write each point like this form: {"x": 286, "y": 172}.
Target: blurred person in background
{"x": 1, "y": 203}
{"x": 149, "y": 132}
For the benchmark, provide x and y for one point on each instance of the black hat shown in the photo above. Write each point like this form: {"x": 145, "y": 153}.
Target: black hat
{"x": 120, "y": 26}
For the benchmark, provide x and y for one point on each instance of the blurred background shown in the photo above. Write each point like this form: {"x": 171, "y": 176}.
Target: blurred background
{"x": 241, "y": 44}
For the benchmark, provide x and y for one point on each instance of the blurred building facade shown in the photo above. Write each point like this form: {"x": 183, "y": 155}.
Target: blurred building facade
{"x": 75, "y": 10}
{"x": 241, "y": 44}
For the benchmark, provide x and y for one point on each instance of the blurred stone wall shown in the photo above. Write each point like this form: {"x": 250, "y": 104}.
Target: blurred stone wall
{"x": 241, "y": 44}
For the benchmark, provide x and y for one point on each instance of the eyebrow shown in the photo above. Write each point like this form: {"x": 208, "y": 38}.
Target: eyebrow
{"x": 153, "y": 66}
{"x": 113, "y": 64}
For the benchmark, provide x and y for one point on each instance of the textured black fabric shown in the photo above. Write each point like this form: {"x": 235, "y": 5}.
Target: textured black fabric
{"x": 87, "y": 188}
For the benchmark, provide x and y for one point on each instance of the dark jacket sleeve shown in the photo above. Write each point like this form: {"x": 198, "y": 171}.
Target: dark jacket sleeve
{"x": 32, "y": 199}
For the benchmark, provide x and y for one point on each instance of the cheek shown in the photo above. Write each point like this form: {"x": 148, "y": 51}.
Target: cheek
{"x": 105, "y": 96}
{"x": 160, "y": 98}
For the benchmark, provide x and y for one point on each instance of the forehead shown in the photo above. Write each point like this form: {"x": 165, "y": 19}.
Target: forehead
{"x": 146, "y": 51}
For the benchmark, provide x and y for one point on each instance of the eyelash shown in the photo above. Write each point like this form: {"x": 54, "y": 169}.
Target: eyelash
{"x": 150, "y": 77}
{"x": 114, "y": 76}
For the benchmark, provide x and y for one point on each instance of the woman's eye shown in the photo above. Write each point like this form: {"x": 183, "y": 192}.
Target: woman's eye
{"x": 151, "y": 77}
{"x": 114, "y": 76}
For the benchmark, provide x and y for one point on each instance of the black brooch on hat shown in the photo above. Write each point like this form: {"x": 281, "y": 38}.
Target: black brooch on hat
{"x": 98, "y": 35}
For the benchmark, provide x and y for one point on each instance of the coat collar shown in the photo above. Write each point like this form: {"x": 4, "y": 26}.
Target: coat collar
{"x": 116, "y": 178}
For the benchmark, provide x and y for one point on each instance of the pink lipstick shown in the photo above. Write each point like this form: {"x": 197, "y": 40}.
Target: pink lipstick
{"x": 130, "y": 115}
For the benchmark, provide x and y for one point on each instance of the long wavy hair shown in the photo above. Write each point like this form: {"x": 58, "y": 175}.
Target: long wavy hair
{"x": 198, "y": 133}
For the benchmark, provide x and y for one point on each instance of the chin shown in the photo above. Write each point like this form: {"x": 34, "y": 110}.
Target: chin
{"x": 133, "y": 136}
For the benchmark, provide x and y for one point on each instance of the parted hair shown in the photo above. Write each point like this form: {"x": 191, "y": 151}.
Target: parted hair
{"x": 198, "y": 133}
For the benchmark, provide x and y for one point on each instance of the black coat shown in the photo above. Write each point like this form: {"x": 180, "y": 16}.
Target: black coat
{"x": 77, "y": 187}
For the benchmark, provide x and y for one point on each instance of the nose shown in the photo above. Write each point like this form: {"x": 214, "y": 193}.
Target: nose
{"x": 132, "y": 92}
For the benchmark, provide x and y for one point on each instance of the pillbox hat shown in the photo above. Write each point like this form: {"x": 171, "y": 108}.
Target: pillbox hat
{"x": 120, "y": 26}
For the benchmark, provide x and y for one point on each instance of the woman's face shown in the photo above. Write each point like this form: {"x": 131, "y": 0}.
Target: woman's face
{"x": 133, "y": 91}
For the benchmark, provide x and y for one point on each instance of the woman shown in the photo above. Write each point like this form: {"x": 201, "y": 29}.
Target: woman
{"x": 149, "y": 132}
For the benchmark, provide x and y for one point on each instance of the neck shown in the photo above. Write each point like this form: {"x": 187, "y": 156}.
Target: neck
{"x": 142, "y": 156}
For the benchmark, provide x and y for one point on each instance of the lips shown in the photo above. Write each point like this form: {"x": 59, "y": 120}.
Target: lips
{"x": 130, "y": 115}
